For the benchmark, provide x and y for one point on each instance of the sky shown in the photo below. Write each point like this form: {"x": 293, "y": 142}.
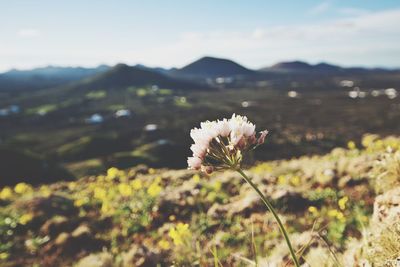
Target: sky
{"x": 255, "y": 33}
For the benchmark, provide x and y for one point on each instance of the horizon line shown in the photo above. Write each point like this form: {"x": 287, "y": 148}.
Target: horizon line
{"x": 96, "y": 65}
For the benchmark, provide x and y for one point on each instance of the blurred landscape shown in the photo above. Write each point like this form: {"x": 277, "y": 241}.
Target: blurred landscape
{"x": 62, "y": 123}
{"x": 97, "y": 101}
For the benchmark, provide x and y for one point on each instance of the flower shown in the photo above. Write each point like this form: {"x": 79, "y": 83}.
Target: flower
{"x": 198, "y": 150}
{"x": 125, "y": 189}
{"x": 154, "y": 189}
{"x": 24, "y": 219}
{"x": 312, "y": 210}
{"x": 45, "y": 190}
{"x": 6, "y": 193}
{"x": 342, "y": 202}
{"x": 136, "y": 184}
{"x": 22, "y": 188}
{"x": 194, "y": 163}
{"x": 113, "y": 173}
{"x": 99, "y": 193}
{"x": 164, "y": 244}
{"x": 351, "y": 145}
{"x": 4, "y": 255}
{"x": 221, "y": 144}
{"x": 106, "y": 208}
{"x": 179, "y": 233}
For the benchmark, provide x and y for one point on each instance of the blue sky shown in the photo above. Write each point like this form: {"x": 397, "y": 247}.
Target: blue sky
{"x": 172, "y": 33}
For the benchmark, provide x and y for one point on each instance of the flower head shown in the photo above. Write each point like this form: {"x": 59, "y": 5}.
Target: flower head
{"x": 180, "y": 233}
{"x": 221, "y": 144}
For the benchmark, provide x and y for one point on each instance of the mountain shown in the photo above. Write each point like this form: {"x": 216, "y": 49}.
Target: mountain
{"x": 155, "y": 69}
{"x": 122, "y": 76}
{"x": 290, "y": 66}
{"x": 327, "y": 67}
{"x": 46, "y": 77}
{"x": 300, "y": 66}
{"x": 213, "y": 67}
{"x": 58, "y": 72}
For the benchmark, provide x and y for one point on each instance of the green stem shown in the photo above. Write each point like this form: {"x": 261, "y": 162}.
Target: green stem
{"x": 272, "y": 210}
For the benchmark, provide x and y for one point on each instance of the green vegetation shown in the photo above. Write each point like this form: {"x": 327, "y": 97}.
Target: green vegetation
{"x": 96, "y": 94}
{"x": 314, "y": 123}
{"x": 142, "y": 216}
{"x": 42, "y": 110}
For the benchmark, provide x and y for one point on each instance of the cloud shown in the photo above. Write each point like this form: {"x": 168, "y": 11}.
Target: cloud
{"x": 351, "y": 11}
{"x": 369, "y": 39}
{"x": 28, "y": 33}
{"x": 320, "y": 8}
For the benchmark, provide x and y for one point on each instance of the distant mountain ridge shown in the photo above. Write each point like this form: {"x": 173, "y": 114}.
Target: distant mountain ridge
{"x": 45, "y": 77}
{"x": 301, "y": 66}
{"x": 213, "y": 67}
{"x": 194, "y": 75}
{"x": 55, "y": 71}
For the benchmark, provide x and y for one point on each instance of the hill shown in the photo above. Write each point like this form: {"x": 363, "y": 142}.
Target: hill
{"x": 213, "y": 67}
{"x": 341, "y": 209}
{"x": 36, "y": 170}
{"x": 304, "y": 67}
{"x": 46, "y": 77}
{"x": 122, "y": 76}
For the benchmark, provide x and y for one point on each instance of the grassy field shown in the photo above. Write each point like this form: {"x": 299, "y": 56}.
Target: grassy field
{"x": 53, "y": 126}
{"x": 143, "y": 216}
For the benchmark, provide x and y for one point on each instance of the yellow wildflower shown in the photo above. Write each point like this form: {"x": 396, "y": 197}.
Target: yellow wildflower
{"x": 379, "y": 144}
{"x": 261, "y": 168}
{"x": 101, "y": 178}
{"x": 337, "y": 214}
{"x": 125, "y": 189}
{"x": 72, "y": 185}
{"x": 351, "y": 145}
{"x": 368, "y": 140}
{"x": 22, "y": 188}
{"x": 99, "y": 193}
{"x": 295, "y": 180}
{"x": 154, "y": 189}
{"x": 281, "y": 179}
{"x": 106, "y": 208}
{"x": 217, "y": 185}
{"x": 342, "y": 202}
{"x": 24, "y": 219}
{"x": 45, "y": 190}
{"x": 79, "y": 202}
{"x": 6, "y": 193}
{"x": 332, "y": 213}
{"x": 313, "y": 210}
{"x": 164, "y": 244}
{"x": 340, "y": 216}
{"x": 158, "y": 179}
{"x": 113, "y": 173}
{"x": 136, "y": 184}
{"x": 172, "y": 217}
{"x": 179, "y": 233}
{"x": 4, "y": 255}
{"x": 196, "y": 178}
{"x": 211, "y": 196}
{"x": 152, "y": 171}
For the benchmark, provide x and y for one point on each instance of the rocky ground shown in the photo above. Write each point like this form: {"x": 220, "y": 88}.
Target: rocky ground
{"x": 341, "y": 209}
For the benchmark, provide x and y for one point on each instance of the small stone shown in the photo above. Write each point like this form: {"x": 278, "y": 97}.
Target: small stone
{"x": 103, "y": 259}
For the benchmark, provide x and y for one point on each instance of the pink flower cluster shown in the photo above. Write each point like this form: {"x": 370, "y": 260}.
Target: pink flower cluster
{"x": 219, "y": 144}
